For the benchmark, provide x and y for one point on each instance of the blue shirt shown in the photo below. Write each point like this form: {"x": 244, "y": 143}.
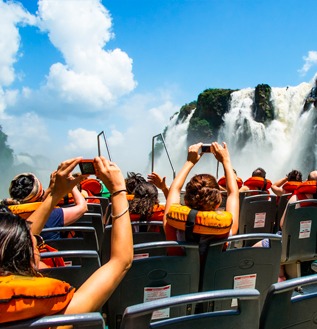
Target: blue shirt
{"x": 56, "y": 219}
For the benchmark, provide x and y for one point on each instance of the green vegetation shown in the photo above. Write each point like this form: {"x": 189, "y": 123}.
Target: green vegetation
{"x": 185, "y": 111}
{"x": 199, "y": 130}
{"x": 204, "y": 125}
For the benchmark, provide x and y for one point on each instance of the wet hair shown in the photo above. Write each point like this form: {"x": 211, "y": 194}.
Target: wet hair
{"x": 259, "y": 172}
{"x": 16, "y": 246}
{"x": 145, "y": 197}
{"x": 294, "y": 176}
{"x": 202, "y": 193}
{"x": 132, "y": 180}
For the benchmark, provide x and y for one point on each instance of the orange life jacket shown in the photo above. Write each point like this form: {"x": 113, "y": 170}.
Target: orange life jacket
{"x": 93, "y": 188}
{"x": 291, "y": 186}
{"x": 222, "y": 182}
{"x": 258, "y": 183}
{"x": 157, "y": 214}
{"x": 206, "y": 222}
{"x": 24, "y": 210}
{"x": 130, "y": 197}
{"x": 308, "y": 187}
{"x": 24, "y": 297}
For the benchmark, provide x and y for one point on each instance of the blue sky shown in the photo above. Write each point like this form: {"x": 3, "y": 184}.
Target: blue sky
{"x": 72, "y": 68}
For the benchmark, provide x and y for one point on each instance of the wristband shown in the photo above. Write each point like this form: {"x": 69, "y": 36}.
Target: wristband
{"x": 119, "y": 215}
{"x": 118, "y": 192}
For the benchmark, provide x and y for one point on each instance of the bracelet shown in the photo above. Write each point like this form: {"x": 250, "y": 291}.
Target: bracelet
{"x": 121, "y": 214}
{"x": 117, "y": 192}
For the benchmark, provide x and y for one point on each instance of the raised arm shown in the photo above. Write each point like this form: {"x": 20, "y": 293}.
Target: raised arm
{"x": 277, "y": 187}
{"x": 71, "y": 214}
{"x": 61, "y": 183}
{"x": 159, "y": 182}
{"x": 174, "y": 193}
{"x": 100, "y": 285}
{"x": 221, "y": 153}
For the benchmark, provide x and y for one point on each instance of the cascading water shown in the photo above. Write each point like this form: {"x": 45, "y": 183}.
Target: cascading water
{"x": 272, "y": 147}
{"x": 287, "y": 142}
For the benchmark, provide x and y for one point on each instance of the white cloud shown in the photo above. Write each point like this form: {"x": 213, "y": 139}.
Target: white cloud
{"x": 91, "y": 74}
{"x": 116, "y": 137}
{"x": 310, "y": 60}
{"x": 11, "y": 15}
{"x": 82, "y": 142}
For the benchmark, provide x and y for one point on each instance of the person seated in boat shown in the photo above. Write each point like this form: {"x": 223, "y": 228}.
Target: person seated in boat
{"x": 202, "y": 193}
{"x": 145, "y": 206}
{"x": 26, "y": 188}
{"x": 306, "y": 190}
{"x": 257, "y": 181}
{"x": 19, "y": 256}
{"x": 287, "y": 184}
{"x": 132, "y": 180}
{"x": 223, "y": 183}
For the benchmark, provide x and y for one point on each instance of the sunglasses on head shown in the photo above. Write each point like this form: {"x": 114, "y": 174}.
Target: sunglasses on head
{"x": 39, "y": 240}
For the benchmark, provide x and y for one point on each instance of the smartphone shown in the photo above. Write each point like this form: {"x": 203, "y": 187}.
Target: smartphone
{"x": 206, "y": 148}
{"x": 87, "y": 167}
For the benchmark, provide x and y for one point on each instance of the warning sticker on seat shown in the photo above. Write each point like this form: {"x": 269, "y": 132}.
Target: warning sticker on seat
{"x": 304, "y": 229}
{"x": 153, "y": 293}
{"x": 243, "y": 282}
{"x": 259, "y": 220}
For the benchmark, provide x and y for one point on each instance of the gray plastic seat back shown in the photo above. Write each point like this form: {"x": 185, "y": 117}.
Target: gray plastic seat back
{"x": 92, "y": 320}
{"x": 85, "y": 238}
{"x": 154, "y": 276}
{"x": 245, "y": 315}
{"x": 257, "y": 214}
{"x": 138, "y": 237}
{"x": 244, "y": 267}
{"x": 299, "y": 232}
{"x": 285, "y": 307}
{"x": 92, "y": 220}
{"x": 80, "y": 265}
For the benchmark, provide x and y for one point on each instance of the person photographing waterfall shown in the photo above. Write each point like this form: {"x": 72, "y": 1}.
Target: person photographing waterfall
{"x": 202, "y": 192}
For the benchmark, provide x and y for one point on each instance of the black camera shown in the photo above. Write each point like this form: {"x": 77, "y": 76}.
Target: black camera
{"x": 206, "y": 148}
{"x": 87, "y": 167}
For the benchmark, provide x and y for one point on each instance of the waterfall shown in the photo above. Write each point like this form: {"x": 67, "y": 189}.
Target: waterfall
{"x": 287, "y": 142}
{"x": 272, "y": 147}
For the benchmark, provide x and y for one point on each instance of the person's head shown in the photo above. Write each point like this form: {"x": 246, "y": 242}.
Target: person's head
{"x": 17, "y": 246}
{"x": 259, "y": 172}
{"x": 132, "y": 180}
{"x": 312, "y": 175}
{"x": 145, "y": 197}
{"x": 295, "y": 176}
{"x": 202, "y": 193}
{"x": 26, "y": 188}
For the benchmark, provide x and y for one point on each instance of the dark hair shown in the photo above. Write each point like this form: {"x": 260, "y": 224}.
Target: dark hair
{"x": 202, "y": 193}
{"x": 132, "y": 180}
{"x": 21, "y": 187}
{"x": 259, "y": 172}
{"x": 295, "y": 176}
{"x": 145, "y": 197}
{"x": 16, "y": 246}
